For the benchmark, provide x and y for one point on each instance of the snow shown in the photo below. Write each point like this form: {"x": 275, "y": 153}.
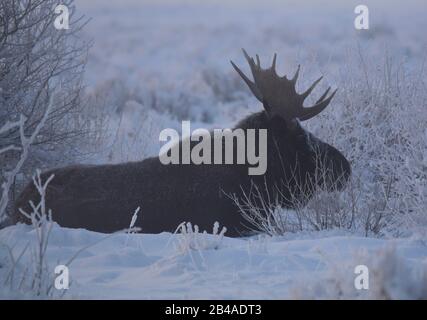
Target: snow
{"x": 147, "y": 266}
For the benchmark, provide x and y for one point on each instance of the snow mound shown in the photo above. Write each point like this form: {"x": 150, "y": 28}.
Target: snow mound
{"x": 148, "y": 266}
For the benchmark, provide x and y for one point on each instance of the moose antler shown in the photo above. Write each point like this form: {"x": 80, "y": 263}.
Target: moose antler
{"x": 278, "y": 94}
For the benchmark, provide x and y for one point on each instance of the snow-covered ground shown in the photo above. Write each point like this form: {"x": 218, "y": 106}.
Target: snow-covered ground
{"x": 320, "y": 265}
{"x": 155, "y": 63}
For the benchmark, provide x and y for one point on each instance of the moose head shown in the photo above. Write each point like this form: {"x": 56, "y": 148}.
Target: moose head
{"x": 297, "y": 158}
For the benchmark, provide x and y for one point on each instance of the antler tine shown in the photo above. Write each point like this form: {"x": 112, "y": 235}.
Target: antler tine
{"x": 251, "y": 63}
{"x": 273, "y": 65}
{"x": 250, "y": 60}
{"x": 311, "y": 112}
{"x": 250, "y": 84}
{"x": 308, "y": 91}
{"x": 258, "y": 61}
{"x": 295, "y": 77}
{"x": 246, "y": 55}
{"x": 323, "y": 96}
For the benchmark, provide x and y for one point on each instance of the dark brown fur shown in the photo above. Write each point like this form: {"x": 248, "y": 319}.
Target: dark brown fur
{"x": 103, "y": 197}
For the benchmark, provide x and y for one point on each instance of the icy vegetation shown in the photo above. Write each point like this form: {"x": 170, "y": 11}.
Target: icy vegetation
{"x": 156, "y": 63}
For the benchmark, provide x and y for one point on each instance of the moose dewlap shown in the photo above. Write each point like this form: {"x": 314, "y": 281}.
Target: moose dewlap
{"x": 103, "y": 197}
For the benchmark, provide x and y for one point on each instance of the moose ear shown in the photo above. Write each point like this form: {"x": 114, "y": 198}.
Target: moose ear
{"x": 292, "y": 124}
{"x": 282, "y": 125}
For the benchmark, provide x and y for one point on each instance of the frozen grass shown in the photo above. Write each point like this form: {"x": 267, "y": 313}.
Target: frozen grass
{"x": 27, "y": 271}
{"x": 191, "y": 238}
{"x": 32, "y": 277}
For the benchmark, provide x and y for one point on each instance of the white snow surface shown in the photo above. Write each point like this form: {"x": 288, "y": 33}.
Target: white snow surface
{"x": 308, "y": 265}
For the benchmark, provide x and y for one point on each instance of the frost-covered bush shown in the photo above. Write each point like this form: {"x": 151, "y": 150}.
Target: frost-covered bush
{"x": 36, "y": 60}
{"x": 25, "y": 142}
{"x": 379, "y": 122}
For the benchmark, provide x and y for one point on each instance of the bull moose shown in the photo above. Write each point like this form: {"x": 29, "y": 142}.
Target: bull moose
{"x": 103, "y": 197}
